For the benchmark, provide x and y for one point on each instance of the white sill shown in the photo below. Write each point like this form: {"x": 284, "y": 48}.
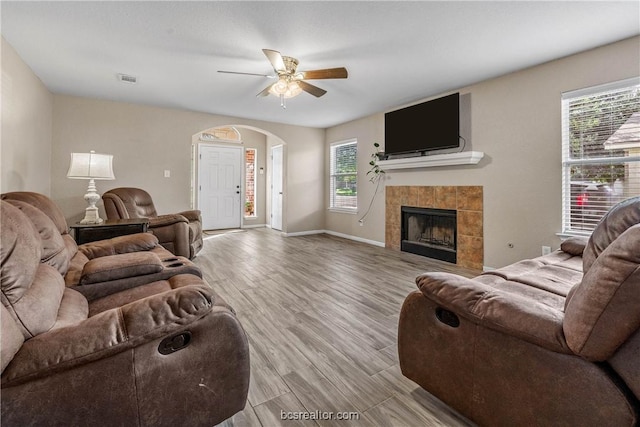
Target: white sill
{"x": 566, "y": 234}
{"x": 351, "y": 211}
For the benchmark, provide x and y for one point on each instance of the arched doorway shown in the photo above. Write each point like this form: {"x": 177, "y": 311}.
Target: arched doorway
{"x": 246, "y": 193}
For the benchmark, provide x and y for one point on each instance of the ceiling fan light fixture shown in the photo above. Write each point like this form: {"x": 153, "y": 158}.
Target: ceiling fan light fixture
{"x": 285, "y": 88}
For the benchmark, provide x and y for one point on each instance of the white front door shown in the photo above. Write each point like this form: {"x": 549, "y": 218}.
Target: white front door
{"x": 220, "y": 186}
{"x": 276, "y": 188}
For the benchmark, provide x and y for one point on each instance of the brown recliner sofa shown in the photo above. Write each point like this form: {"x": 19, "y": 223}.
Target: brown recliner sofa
{"x": 99, "y": 268}
{"x": 170, "y": 352}
{"x": 180, "y": 233}
{"x": 549, "y": 341}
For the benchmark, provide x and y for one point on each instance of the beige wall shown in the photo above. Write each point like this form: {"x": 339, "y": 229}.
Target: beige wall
{"x": 147, "y": 140}
{"x": 27, "y": 108}
{"x": 515, "y": 121}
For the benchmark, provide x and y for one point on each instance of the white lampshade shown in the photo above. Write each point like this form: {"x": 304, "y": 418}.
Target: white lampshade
{"x": 91, "y": 166}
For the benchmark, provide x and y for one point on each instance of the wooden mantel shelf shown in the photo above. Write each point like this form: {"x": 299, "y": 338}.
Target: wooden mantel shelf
{"x": 462, "y": 158}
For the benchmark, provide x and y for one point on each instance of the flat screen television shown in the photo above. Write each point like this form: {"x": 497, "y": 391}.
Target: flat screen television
{"x": 429, "y": 126}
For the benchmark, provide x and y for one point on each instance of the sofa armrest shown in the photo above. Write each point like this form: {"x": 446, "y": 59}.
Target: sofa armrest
{"x": 119, "y": 245}
{"x": 114, "y": 267}
{"x": 192, "y": 215}
{"x": 110, "y": 332}
{"x": 164, "y": 220}
{"x": 491, "y": 307}
{"x": 574, "y": 245}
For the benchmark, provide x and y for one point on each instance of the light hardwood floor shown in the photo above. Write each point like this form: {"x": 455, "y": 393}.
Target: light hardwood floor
{"x": 321, "y": 316}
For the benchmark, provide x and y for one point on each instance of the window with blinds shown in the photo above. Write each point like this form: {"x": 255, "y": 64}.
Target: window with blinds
{"x": 600, "y": 152}
{"x": 343, "y": 185}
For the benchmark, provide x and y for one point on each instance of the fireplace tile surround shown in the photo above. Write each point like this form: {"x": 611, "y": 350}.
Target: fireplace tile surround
{"x": 466, "y": 200}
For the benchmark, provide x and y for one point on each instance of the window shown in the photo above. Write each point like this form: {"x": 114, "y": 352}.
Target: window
{"x": 250, "y": 182}
{"x": 343, "y": 187}
{"x": 600, "y": 152}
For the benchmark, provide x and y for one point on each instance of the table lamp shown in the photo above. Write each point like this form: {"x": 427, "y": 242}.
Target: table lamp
{"x": 91, "y": 166}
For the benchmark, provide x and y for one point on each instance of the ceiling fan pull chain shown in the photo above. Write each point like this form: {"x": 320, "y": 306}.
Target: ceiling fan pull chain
{"x": 283, "y": 103}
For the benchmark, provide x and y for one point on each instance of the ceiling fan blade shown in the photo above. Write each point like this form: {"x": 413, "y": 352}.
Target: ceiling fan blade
{"x": 276, "y": 60}
{"x": 247, "y": 74}
{"x": 329, "y": 73}
{"x": 313, "y": 90}
{"x": 265, "y": 91}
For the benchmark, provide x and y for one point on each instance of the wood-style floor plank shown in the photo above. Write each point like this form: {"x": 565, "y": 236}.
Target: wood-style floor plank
{"x": 321, "y": 315}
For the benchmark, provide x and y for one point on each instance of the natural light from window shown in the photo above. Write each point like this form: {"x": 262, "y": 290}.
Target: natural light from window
{"x": 600, "y": 152}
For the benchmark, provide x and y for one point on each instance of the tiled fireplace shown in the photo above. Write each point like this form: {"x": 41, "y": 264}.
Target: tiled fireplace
{"x": 464, "y": 203}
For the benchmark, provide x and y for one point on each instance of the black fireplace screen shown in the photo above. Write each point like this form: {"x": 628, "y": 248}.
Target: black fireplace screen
{"x": 429, "y": 232}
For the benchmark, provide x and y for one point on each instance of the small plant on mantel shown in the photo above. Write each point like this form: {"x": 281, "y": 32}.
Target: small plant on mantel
{"x": 376, "y": 171}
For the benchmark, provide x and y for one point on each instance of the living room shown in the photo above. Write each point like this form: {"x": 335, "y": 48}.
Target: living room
{"x": 515, "y": 119}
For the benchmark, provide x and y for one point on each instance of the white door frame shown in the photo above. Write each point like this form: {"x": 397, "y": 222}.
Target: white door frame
{"x": 273, "y": 192}
{"x": 200, "y": 145}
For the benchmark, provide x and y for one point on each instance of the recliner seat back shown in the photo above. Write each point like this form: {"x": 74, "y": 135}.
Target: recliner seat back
{"x": 128, "y": 202}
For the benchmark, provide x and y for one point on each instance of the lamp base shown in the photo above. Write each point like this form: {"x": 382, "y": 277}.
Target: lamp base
{"x": 91, "y": 216}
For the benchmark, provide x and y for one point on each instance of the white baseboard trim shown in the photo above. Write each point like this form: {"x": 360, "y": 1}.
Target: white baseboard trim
{"x": 304, "y": 233}
{"x": 335, "y": 233}
{"x": 254, "y": 226}
{"x": 355, "y": 238}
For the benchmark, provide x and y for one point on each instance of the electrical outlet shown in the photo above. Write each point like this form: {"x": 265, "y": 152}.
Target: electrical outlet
{"x": 167, "y": 173}
{"x": 546, "y": 250}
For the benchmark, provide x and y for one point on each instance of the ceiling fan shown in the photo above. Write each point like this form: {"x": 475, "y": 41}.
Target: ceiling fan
{"x": 290, "y": 81}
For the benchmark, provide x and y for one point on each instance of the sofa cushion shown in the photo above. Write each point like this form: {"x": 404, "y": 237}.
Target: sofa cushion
{"x": 31, "y": 291}
{"x": 119, "y": 245}
{"x": 603, "y": 310}
{"x": 613, "y": 223}
{"x": 54, "y": 249}
{"x": 11, "y": 338}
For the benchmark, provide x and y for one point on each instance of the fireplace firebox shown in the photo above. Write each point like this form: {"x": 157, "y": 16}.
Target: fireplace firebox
{"x": 429, "y": 232}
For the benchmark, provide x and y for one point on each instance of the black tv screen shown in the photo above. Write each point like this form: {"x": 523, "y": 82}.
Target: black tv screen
{"x": 432, "y": 125}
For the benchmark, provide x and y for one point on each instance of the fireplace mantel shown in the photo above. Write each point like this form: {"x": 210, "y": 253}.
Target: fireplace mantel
{"x": 452, "y": 159}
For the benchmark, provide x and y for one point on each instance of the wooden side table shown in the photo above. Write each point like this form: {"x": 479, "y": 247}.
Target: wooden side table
{"x": 85, "y": 233}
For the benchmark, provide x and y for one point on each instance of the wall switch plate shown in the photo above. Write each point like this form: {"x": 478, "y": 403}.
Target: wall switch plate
{"x": 167, "y": 173}
{"x": 546, "y": 250}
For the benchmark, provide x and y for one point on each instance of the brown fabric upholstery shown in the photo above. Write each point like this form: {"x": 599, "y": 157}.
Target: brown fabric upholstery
{"x": 67, "y": 361}
{"x": 605, "y": 308}
{"x": 180, "y": 233}
{"x": 613, "y": 223}
{"x": 59, "y": 250}
{"x": 503, "y": 350}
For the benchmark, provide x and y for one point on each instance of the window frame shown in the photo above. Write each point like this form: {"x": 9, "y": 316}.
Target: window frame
{"x": 568, "y": 162}
{"x": 332, "y": 175}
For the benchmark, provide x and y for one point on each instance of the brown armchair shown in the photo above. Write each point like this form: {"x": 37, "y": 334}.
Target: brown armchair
{"x": 549, "y": 341}
{"x": 170, "y": 352}
{"x": 180, "y": 233}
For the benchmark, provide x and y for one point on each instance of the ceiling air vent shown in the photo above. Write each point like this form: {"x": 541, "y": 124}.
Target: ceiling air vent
{"x": 125, "y": 78}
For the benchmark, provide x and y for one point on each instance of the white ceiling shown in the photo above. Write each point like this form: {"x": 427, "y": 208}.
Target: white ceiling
{"x": 395, "y": 52}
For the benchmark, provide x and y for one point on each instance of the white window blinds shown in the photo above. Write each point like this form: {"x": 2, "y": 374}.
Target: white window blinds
{"x": 600, "y": 152}
{"x": 343, "y": 184}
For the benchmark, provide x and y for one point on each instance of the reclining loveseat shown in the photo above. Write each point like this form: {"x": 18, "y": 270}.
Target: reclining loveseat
{"x": 167, "y": 351}
{"x": 549, "y": 341}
